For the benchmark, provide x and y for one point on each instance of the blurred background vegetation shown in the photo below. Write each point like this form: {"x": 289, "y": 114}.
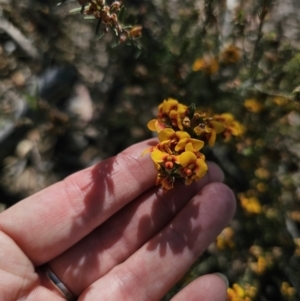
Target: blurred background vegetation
{"x": 69, "y": 99}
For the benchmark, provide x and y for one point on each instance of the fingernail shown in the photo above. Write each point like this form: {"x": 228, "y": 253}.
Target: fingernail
{"x": 224, "y": 278}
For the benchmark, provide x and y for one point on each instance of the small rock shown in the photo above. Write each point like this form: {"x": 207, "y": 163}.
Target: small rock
{"x": 81, "y": 105}
{"x": 18, "y": 79}
{"x": 23, "y": 148}
{"x": 294, "y": 118}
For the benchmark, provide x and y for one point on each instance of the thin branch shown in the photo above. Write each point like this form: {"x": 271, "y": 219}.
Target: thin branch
{"x": 255, "y": 56}
{"x": 20, "y": 39}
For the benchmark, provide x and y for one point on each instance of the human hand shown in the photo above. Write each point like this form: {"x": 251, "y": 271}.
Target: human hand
{"x": 109, "y": 234}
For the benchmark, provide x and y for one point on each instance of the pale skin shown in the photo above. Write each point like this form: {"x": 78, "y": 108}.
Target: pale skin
{"x": 110, "y": 234}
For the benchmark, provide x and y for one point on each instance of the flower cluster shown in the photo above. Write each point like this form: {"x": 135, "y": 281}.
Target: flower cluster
{"x": 210, "y": 64}
{"x": 287, "y": 290}
{"x": 182, "y": 132}
{"x": 225, "y": 239}
{"x": 108, "y": 15}
{"x": 251, "y": 204}
{"x": 263, "y": 260}
{"x": 238, "y": 292}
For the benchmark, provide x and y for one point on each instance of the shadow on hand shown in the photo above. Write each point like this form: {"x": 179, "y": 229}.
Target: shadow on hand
{"x": 176, "y": 233}
{"x": 152, "y": 217}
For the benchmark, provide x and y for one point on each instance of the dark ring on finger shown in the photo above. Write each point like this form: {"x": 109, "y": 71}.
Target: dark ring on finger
{"x": 58, "y": 284}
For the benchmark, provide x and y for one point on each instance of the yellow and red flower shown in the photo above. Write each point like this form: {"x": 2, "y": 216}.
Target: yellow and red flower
{"x": 253, "y": 105}
{"x": 208, "y": 64}
{"x": 230, "y": 55}
{"x": 182, "y": 132}
{"x": 170, "y": 114}
{"x": 231, "y": 126}
{"x": 155, "y": 126}
{"x": 192, "y": 168}
{"x": 171, "y": 135}
{"x": 164, "y": 159}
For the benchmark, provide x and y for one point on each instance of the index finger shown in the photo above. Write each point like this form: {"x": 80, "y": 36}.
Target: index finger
{"x": 49, "y": 222}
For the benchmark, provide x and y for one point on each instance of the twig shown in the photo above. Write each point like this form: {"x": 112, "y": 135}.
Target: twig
{"x": 254, "y": 59}
{"x": 20, "y": 39}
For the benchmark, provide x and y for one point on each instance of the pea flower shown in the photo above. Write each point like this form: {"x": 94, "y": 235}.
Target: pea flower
{"x": 192, "y": 168}
{"x": 182, "y": 132}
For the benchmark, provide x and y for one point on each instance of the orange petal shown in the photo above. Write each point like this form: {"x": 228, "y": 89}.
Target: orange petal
{"x": 159, "y": 126}
{"x": 155, "y": 126}
{"x": 151, "y": 125}
{"x": 187, "y": 158}
{"x": 201, "y": 169}
{"x": 212, "y": 138}
{"x": 227, "y": 117}
{"x": 182, "y": 134}
{"x": 181, "y": 144}
{"x": 236, "y": 128}
{"x": 189, "y": 147}
{"x": 169, "y": 105}
{"x": 181, "y": 108}
{"x": 173, "y": 114}
{"x": 166, "y": 134}
{"x": 158, "y": 156}
{"x": 199, "y": 64}
{"x": 197, "y": 144}
{"x": 218, "y": 126}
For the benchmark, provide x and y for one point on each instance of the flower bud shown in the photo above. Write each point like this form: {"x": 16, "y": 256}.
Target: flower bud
{"x": 115, "y": 6}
